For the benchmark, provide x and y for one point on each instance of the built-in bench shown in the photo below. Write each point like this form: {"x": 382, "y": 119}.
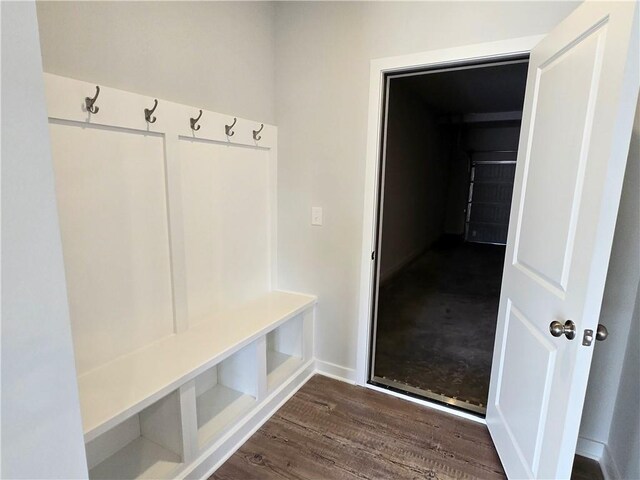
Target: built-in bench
{"x": 152, "y": 413}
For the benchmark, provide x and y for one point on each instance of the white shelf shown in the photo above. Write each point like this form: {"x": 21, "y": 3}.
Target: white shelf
{"x": 115, "y": 391}
{"x": 141, "y": 458}
{"x": 279, "y": 367}
{"x": 218, "y": 408}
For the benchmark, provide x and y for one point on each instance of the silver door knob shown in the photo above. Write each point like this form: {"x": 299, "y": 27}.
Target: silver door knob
{"x": 601, "y": 333}
{"x": 568, "y": 329}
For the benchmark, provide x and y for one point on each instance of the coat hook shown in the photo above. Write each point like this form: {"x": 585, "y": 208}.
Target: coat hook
{"x": 228, "y": 128}
{"x": 257, "y": 137}
{"x": 194, "y": 121}
{"x": 148, "y": 113}
{"x": 90, "y": 101}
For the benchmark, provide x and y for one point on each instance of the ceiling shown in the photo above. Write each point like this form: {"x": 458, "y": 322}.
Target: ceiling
{"x": 498, "y": 88}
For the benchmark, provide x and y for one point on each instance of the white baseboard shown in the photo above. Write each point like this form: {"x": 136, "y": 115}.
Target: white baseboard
{"x": 601, "y": 453}
{"x": 590, "y": 448}
{"x": 336, "y": 372}
{"x": 609, "y": 466}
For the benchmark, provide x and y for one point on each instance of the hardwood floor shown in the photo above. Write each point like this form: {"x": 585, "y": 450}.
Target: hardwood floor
{"x": 332, "y": 430}
{"x": 586, "y": 469}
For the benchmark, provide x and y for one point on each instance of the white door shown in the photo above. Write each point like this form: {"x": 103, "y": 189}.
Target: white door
{"x": 579, "y": 105}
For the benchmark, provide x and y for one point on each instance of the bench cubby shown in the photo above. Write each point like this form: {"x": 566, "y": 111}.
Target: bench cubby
{"x": 146, "y": 445}
{"x": 155, "y": 413}
{"x": 284, "y": 351}
{"x": 225, "y": 392}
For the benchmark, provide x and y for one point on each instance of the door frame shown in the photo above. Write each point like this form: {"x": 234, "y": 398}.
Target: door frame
{"x": 482, "y": 52}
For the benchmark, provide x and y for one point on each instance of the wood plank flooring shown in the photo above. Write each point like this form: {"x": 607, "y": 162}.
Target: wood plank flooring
{"x": 332, "y": 430}
{"x": 586, "y": 469}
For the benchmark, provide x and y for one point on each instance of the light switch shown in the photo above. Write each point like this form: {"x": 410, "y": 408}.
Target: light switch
{"x": 316, "y": 216}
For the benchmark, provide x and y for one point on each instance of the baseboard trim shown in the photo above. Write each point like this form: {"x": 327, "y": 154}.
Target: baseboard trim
{"x": 609, "y": 466}
{"x": 337, "y": 372}
{"x": 590, "y": 448}
{"x": 601, "y": 453}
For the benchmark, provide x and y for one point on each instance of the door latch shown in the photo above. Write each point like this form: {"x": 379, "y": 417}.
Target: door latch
{"x": 601, "y": 334}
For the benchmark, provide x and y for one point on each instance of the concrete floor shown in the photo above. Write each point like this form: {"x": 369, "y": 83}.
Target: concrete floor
{"x": 437, "y": 319}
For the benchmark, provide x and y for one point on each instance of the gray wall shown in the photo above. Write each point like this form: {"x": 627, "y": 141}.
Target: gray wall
{"x": 213, "y": 55}
{"x": 617, "y": 305}
{"x": 323, "y": 50}
{"x": 417, "y": 156}
{"x": 40, "y": 416}
{"x": 624, "y": 437}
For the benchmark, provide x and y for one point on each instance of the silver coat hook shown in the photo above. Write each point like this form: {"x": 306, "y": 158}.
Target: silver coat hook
{"x": 228, "y": 129}
{"x": 257, "y": 137}
{"x": 88, "y": 101}
{"x": 194, "y": 121}
{"x": 148, "y": 113}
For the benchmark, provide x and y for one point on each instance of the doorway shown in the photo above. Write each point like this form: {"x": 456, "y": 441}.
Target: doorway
{"x": 446, "y": 179}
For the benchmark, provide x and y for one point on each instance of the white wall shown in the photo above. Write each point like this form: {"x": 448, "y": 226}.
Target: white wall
{"x": 617, "y": 305}
{"x": 214, "y": 55}
{"x": 417, "y": 155}
{"x": 41, "y": 428}
{"x": 323, "y": 50}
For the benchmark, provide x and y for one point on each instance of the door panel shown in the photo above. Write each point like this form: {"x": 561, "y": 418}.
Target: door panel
{"x": 569, "y": 79}
{"x": 581, "y": 92}
{"x": 522, "y": 336}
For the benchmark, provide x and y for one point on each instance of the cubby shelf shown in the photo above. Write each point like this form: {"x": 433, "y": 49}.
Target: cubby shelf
{"x": 227, "y": 391}
{"x": 141, "y": 458}
{"x": 280, "y": 366}
{"x": 115, "y": 391}
{"x": 217, "y": 408}
{"x": 284, "y": 351}
{"x": 146, "y": 445}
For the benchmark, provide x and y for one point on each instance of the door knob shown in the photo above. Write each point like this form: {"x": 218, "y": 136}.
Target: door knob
{"x": 568, "y": 329}
{"x": 601, "y": 333}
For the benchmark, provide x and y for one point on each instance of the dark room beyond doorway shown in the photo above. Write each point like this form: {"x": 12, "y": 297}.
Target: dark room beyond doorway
{"x": 451, "y": 140}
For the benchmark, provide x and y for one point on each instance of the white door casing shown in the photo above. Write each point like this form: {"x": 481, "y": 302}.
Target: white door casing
{"x": 485, "y": 52}
{"x": 581, "y": 92}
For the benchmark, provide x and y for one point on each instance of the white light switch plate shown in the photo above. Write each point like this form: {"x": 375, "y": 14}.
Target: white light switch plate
{"x": 316, "y": 216}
